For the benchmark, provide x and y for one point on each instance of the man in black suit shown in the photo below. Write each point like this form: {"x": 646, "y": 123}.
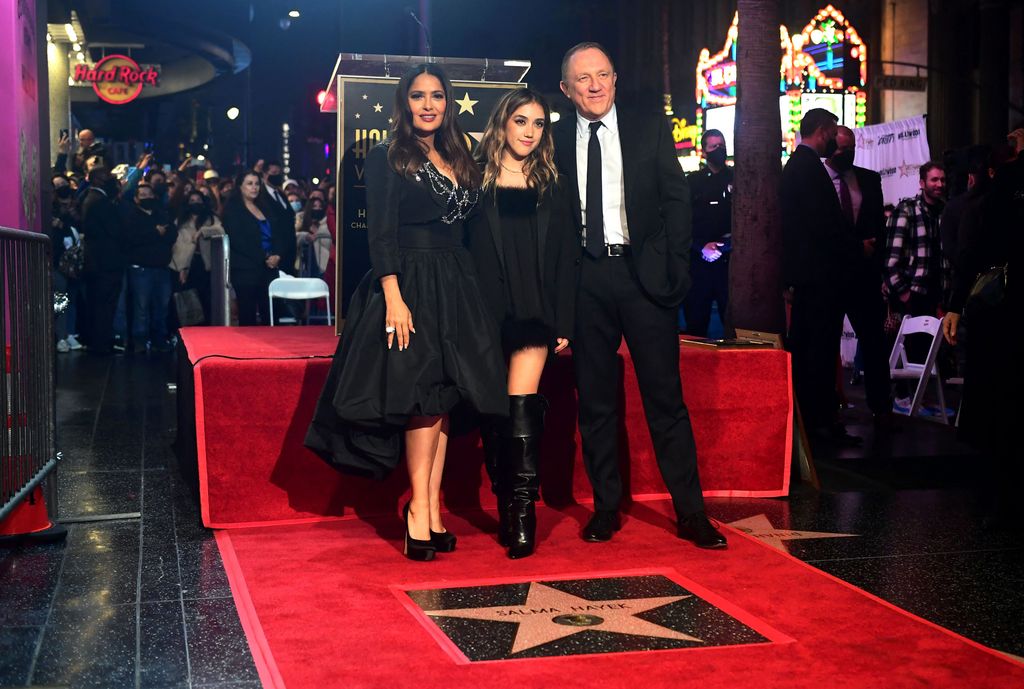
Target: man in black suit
{"x": 632, "y": 207}
{"x": 859, "y": 191}
{"x": 105, "y": 260}
{"x": 821, "y": 254}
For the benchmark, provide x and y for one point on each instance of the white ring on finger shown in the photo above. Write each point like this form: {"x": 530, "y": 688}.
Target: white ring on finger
{"x": 389, "y": 329}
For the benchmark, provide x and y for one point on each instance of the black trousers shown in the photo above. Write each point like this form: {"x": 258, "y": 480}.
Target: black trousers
{"x": 710, "y": 284}
{"x": 816, "y": 329}
{"x": 611, "y": 305}
{"x": 251, "y": 294}
{"x": 104, "y": 289}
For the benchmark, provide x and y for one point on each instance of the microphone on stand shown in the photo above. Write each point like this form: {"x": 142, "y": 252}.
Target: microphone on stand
{"x": 426, "y": 31}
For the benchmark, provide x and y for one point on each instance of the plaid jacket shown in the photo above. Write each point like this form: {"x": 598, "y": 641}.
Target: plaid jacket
{"x": 912, "y": 236}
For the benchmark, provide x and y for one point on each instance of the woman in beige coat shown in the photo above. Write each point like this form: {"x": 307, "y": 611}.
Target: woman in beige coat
{"x": 191, "y": 255}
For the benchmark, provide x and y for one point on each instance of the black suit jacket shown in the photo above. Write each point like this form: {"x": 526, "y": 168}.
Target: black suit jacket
{"x": 558, "y": 249}
{"x": 871, "y": 220}
{"x": 104, "y": 231}
{"x": 248, "y": 259}
{"x": 657, "y": 201}
{"x": 819, "y": 246}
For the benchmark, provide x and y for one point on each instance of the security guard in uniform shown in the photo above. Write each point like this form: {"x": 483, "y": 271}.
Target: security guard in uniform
{"x": 711, "y": 196}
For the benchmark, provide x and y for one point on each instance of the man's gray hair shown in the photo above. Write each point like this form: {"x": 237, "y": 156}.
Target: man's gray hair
{"x": 579, "y": 47}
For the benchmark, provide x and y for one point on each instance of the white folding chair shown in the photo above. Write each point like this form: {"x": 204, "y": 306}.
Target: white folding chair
{"x": 288, "y": 287}
{"x": 901, "y": 369}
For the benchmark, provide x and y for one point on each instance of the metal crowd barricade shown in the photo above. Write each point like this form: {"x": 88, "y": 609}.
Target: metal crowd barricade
{"x": 220, "y": 280}
{"x": 27, "y": 438}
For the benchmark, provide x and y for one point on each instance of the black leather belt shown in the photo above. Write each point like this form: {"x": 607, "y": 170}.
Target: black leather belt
{"x": 618, "y": 249}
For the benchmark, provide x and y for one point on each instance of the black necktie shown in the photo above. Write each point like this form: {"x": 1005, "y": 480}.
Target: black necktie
{"x": 595, "y": 206}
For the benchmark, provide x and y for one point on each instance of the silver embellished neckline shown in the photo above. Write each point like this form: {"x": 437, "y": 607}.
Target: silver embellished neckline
{"x": 459, "y": 200}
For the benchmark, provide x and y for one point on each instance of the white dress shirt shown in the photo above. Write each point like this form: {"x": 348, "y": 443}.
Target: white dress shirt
{"x": 613, "y": 191}
{"x": 277, "y": 196}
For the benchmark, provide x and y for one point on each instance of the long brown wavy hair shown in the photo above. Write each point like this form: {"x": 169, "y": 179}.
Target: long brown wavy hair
{"x": 539, "y": 166}
{"x": 407, "y": 154}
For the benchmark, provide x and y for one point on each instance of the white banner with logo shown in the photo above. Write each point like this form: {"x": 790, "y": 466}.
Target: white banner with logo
{"x": 896, "y": 151}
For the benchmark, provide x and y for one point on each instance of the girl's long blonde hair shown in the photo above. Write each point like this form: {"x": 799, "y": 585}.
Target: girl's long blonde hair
{"x": 539, "y": 166}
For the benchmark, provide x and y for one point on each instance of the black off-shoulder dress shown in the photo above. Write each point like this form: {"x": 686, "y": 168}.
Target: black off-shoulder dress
{"x": 454, "y": 362}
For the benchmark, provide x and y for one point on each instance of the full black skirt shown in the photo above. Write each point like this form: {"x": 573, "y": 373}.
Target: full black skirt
{"x": 454, "y": 364}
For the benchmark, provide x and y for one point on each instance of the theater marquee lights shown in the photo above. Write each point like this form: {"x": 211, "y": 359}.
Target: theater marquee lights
{"x": 825, "y": 65}
{"x": 116, "y": 79}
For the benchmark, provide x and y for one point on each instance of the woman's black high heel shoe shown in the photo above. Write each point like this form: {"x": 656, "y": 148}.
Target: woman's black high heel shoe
{"x": 444, "y": 542}
{"x": 416, "y": 549}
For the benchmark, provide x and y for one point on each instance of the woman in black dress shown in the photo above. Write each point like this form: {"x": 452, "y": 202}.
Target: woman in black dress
{"x": 418, "y": 340}
{"x": 525, "y": 248}
{"x": 258, "y": 241}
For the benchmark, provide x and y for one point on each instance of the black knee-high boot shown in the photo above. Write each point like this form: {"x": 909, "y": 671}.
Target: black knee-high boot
{"x": 520, "y": 460}
{"x": 490, "y": 438}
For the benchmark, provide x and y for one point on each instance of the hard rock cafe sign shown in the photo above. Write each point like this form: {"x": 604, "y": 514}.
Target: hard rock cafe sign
{"x": 117, "y": 79}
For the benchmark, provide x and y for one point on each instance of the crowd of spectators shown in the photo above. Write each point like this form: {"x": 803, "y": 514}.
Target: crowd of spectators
{"x": 132, "y": 244}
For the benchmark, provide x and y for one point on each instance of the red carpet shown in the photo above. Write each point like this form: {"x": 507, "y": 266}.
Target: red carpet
{"x": 255, "y": 390}
{"x": 323, "y": 606}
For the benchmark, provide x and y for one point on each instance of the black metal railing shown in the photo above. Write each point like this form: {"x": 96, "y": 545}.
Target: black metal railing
{"x": 27, "y": 438}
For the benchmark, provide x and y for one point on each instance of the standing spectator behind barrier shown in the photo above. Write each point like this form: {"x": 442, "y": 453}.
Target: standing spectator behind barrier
{"x": 88, "y": 147}
{"x": 105, "y": 261}
{"x": 190, "y": 256}
{"x": 313, "y": 239}
{"x": 150, "y": 238}
{"x": 66, "y": 270}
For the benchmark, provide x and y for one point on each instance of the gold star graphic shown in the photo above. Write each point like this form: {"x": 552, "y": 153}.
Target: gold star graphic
{"x": 357, "y": 116}
{"x": 378, "y": 107}
{"x": 365, "y": 96}
{"x": 390, "y": 120}
{"x": 761, "y": 528}
{"x": 550, "y": 614}
{"x": 466, "y": 104}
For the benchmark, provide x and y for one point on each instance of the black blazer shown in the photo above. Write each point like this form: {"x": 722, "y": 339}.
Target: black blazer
{"x": 818, "y": 245}
{"x": 248, "y": 259}
{"x": 104, "y": 232}
{"x": 871, "y": 220}
{"x": 657, "y": 201}
{"x": 558, "y": 249}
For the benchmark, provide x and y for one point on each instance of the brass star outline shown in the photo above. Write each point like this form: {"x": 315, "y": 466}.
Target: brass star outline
{"x": 760, "y": 527}
{"x": 536, "y": 617}
{"x": 466, "y": 104}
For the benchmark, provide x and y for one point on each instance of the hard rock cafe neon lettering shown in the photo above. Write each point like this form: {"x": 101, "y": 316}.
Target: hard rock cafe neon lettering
{"x": 117, "y": 79}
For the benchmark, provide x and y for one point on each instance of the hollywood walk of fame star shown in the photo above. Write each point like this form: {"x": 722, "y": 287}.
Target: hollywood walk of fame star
{"x": 549, "y": 614}
{"x": 905, "y": 169}
{"x": 378, "y": 107}
{"x": 466, "y": 104}
{"x": 761, "y": 528}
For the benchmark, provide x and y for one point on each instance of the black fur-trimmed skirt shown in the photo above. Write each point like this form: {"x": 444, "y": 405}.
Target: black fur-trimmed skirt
{"x": 526, "y": 333}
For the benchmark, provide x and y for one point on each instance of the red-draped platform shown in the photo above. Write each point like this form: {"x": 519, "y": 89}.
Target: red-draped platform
{"x": 254, "y": 390}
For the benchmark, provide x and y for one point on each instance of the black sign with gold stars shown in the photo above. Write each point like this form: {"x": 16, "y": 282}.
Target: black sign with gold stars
{"x": 615, "y": 614}
{"x": 365, "y": 111}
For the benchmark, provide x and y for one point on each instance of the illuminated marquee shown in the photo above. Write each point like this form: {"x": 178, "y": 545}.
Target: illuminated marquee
{"x": 825, "y": 65}
{"x": 116, "y": 79}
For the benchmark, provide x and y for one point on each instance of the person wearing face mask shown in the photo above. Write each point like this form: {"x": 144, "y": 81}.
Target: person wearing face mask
{"x": 150, "y": 238}
{"x": 191, "y": 259}
{"x": 105, "y": 261}
{"x": 277, "y": 203}
{"x": 821, "y": 253}
{"x": 859, "y": 191}
{"x": 711, "y": 200}
{"x": 313, "y": 239}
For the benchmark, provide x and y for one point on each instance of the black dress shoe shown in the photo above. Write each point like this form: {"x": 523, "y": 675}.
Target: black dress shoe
{"x": 697, "y": 528}
{"x": 444, "y": 541}
{"x": 601, "y": 526}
